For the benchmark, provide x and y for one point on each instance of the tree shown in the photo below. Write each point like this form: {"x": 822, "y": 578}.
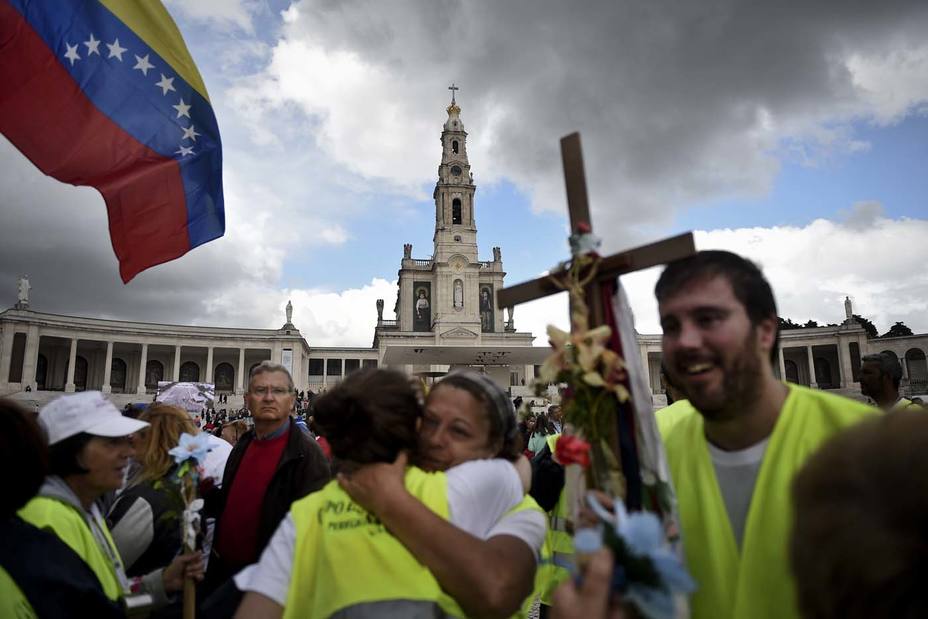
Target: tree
{"x": 785, "y": 324}
{"x": 809, "y": 325}
{"x": 897, "y": 330}
{"x": 868, "y": 326}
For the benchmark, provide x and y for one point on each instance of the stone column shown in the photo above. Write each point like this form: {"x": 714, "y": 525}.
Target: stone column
{"x": 298, "y": 378}
{"x": 30, "y": 357}
{"x": 240, "y": 385}
{"x": 6, "y": 354}
{"x": 209, "y": 365}
{"x": 812, "y": 382}
{"x": 143, "y": 362}
{"x": 325, "y": 371}
{"x": 108, "y": 368}
{"x": 844, "y": 360}
{"x": 782, "y": 363}
{"x": 643, "y": 353}
{"x": 72, "y": 360}
{"x": 175, "y": 372}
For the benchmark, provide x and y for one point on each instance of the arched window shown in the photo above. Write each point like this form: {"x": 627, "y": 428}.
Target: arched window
{"x": 189, "y": 372}
{"x": 80, "y": 373}
{"x": 224, "y": 377}
{"x": 454, "y": 146}
{"x": 916, "y": 363}
{"x": 792, "y": 371}
{"x": 154, "y": 372}
{"x": 456, "y": 211}
{"x": 118, "y": 375}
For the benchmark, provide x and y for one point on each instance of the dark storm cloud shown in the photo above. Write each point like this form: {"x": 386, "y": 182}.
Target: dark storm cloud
{"x": 677, "y": 102}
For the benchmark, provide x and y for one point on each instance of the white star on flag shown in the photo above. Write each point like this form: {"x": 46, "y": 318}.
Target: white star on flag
{"x": 71, "y": 54}
{"x": 143, "y": 65}
{"x": 184, "y": 151}
{"x": 115, "y": 50}
{"x": 166, "y": 84}
{"x": 92, "y": 46}
{"x": 190, "y": 133}
{"x": 182, "y": 109}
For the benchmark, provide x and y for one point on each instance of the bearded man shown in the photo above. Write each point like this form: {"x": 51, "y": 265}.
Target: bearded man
{"x": 734, "y": 452}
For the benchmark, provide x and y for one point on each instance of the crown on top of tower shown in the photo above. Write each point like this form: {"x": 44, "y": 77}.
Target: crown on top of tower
{"x": 454, "y": 111}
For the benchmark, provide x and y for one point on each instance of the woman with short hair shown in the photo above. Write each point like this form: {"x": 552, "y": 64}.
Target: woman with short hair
{"x": 61, "y": 581}
{"x": 89, "y": 450}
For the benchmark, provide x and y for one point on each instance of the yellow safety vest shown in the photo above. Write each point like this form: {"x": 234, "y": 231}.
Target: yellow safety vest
{"x": 527, "y": 503}
{"x": 69, "y": 524}
{"x": 905, "y": 404}
{"x": 755, "y": 583}
{"x": 345, "y": 557}
{"x": 668, "y": 416}
{"x": 13, "y": 602}
{"x": 558, "y": 550}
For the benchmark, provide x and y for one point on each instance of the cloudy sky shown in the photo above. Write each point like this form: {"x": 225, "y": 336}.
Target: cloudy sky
{"x": 795, "y": 133}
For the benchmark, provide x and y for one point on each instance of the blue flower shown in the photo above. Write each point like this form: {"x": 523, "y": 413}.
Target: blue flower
{"x": 193, "y": 446}
{"x": 644, "y": 537}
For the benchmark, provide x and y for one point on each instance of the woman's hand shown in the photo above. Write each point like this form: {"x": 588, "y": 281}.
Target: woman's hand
{"x": 188, "y": 565}
{"x": 374, "y": 486}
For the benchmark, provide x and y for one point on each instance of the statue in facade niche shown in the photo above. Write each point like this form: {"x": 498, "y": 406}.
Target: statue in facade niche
{"x": 23, "y": 292}
{"x": 458, "y": 294}
{"x": 289, "y": 312}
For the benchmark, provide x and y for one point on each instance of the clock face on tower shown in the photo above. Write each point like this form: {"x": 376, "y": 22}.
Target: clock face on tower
{"x": 455, "y": 170}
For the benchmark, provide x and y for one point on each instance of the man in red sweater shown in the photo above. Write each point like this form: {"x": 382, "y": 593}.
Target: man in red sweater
{"x": 270, "y": 467}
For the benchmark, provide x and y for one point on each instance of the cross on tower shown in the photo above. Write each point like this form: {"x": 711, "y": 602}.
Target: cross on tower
{"x": 452, "y": 88}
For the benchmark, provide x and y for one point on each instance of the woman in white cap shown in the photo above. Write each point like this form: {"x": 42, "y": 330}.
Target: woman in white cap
{"x": 89, "y": 450}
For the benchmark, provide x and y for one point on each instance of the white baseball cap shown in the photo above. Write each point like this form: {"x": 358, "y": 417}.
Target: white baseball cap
{"x": 88, "y": 412}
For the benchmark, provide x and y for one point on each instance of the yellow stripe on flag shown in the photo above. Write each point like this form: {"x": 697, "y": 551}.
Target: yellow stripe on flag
{"x": 152, "y": 23}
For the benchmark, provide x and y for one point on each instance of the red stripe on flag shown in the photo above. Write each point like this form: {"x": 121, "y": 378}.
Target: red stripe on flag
{"x": 46, "y": 116}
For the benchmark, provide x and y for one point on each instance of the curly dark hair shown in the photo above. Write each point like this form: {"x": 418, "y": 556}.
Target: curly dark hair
{"x": 371, "y": 416}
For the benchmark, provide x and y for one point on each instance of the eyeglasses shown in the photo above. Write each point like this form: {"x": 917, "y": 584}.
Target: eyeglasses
{"x": 277, "y": 392}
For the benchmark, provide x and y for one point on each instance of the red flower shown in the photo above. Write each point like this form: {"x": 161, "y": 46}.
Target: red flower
{"x": 572, "y": 450}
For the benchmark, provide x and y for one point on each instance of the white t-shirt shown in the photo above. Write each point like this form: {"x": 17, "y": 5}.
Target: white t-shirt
{"x": 736, "y": 472}
{"x": 480, "y": 492}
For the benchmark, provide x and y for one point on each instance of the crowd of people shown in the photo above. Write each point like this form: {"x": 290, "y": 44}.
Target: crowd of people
{"x": 379, "y": 499}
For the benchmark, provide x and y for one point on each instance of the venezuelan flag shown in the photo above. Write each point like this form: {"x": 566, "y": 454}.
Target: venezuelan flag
{"x": 105, "y": 94}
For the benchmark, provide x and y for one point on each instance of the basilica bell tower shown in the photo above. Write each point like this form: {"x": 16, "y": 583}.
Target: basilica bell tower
{"x": 455, "y": 225}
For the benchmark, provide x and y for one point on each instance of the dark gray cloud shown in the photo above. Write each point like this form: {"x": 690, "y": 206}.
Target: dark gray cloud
{"x": 677, "y": 102}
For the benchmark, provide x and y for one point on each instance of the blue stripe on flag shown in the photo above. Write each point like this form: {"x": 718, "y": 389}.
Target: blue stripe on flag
{"x": 132, "y": 99}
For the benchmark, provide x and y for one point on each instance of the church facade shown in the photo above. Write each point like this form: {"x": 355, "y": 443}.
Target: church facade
{"x": 446, "y": 316}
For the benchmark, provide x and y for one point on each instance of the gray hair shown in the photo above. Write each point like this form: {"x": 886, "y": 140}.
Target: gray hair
{"x": 266, "y": 367}
{"x": 889, "y": 365}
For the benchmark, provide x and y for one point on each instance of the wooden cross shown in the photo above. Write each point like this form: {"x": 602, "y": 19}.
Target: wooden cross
{"x": 608, "y": 269}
